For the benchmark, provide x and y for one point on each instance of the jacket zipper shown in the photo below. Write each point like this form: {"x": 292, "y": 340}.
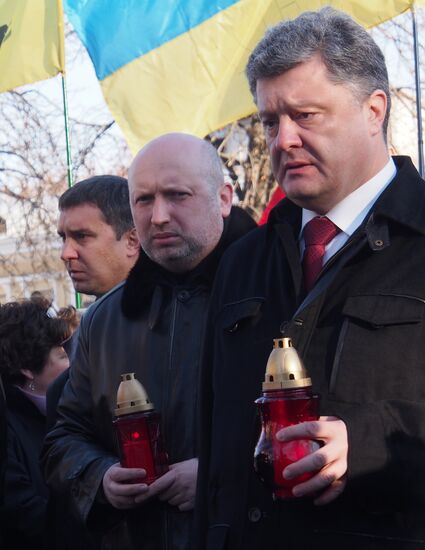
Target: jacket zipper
{"x": 166, "y": 402}
{"x": 338, "y": 253}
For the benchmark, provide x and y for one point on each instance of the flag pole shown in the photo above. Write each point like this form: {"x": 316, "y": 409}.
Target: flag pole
{"x": 67, "y": 139}
{"x": 68, "y": 156}
{"x": 418, "y": 91}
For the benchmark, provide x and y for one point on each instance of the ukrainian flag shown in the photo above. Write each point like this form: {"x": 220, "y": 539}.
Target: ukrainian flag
{"x": 178, "y": 65}
{"x": 31, "y": 41}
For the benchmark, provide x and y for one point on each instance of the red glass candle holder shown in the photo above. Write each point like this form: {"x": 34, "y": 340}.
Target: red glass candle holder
{"x": 279, "y": 409}
{"x": 138, "y": 431}
{"x": 287, "y": 400}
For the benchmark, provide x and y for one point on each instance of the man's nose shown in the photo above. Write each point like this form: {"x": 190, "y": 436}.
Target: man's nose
{"x": 288, "y": 134}
{"x": 160, "y": 211}
{"x": 68, "y": 251}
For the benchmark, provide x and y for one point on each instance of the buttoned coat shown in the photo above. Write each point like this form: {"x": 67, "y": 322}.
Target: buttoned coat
{"x": 361, "y": 335}
{"x": 152, "y": 325}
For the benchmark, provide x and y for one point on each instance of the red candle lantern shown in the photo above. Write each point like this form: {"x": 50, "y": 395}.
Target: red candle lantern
{"x": 287, "y": 399}
{"x": 138, "y": 430}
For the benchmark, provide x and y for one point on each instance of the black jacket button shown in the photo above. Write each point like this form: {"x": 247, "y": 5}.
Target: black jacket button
{"x": 254, "y": 514}
{"x": 183, "y": 295}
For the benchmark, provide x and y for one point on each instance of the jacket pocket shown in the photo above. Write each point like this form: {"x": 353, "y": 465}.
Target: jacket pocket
{"x": 237, "y": 314}
{"x": 380, "y": 333}
{"x": 385, "y": 309}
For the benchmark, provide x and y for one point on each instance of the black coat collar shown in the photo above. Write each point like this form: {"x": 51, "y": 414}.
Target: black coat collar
{"x": 402, "y": 201}
{"x": 147, "y": 275}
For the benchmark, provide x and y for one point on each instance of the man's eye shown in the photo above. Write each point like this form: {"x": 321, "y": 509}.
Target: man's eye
{"x": 176, "y": 195}
{"x": 268, "y": 123}
{"x": 143, "y": 199}
{"x": 304, "y": 116}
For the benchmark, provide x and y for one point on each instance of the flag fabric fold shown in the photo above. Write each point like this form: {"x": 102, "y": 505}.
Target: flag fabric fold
{"x": 31, "y": 41}
{"x": 178, "y": 65}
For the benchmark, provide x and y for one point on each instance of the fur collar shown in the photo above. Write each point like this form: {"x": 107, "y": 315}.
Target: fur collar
{"x": 147, "y": 281}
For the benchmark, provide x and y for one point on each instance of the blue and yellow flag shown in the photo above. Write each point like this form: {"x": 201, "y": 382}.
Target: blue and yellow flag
{"x": 178, "y": 65}
{"x": 31, "y": 41}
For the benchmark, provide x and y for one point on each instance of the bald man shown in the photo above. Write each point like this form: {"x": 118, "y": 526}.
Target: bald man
{"x": 153, "y": 325}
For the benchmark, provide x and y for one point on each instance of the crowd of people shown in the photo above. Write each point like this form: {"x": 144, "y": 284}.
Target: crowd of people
{"x": 190, "y": 294}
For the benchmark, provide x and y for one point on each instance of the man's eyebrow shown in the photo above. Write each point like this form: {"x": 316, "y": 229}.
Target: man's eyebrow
{"x": 76, "y": 231}
{"x": 265, "y": 112}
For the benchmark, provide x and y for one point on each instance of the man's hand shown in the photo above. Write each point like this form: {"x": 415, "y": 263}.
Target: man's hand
{"x": 330, "y": 461}
{"x": 120, "y": 488}
{"x": 177, "y": 486}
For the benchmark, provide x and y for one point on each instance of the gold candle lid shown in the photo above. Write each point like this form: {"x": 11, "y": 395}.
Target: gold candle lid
{"x": 131, "y": 396}
{"x": 285, "y": 370}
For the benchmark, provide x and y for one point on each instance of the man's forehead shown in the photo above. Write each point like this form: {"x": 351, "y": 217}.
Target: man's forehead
{"x": 305, "y": 85}
{"x": 81, "y": 216}
{"x": 167, "y": 173}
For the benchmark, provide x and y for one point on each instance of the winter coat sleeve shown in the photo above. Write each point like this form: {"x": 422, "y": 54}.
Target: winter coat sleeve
{"x": 74, "y": 456}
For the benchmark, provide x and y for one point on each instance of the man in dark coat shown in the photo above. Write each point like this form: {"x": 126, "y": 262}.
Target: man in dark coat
{"x": 99, "y": 247}
{"x": 152, "y": 325}
{"x": 321, "y": 87}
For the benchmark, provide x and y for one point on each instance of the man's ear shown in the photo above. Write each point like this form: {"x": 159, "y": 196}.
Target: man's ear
{"x": 377, "y": 109}
{"x": 132, "y": 242}
{"x": 226, "y": 198}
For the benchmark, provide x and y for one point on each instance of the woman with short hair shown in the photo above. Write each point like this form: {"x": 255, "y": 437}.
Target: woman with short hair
{"x": 31, "y": 357}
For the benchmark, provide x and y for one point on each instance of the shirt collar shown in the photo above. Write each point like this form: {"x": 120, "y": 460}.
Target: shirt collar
{"x": 349, "y": 213}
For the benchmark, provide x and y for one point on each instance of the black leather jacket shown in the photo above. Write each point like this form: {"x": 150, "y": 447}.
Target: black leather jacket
{"x": 152, "y": 325}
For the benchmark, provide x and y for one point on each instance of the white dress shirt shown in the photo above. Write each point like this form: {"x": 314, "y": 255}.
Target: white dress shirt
{"x": 351, "y": 211}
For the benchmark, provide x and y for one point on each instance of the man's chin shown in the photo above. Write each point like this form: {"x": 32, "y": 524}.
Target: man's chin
{"x": 176, "y": 262}
{"x": 303, "y": 194}
{"x": 84, "y": 289}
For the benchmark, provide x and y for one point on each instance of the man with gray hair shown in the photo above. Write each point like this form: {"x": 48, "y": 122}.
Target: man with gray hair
{"x": 339, "y": 269}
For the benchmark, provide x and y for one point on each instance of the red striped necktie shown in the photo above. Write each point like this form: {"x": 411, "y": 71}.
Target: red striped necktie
{"x": 318, "y": 233}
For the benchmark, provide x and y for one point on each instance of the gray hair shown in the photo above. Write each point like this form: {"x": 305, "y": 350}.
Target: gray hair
{"x": 212, "y": 169}
{"x": 349, "y": 53}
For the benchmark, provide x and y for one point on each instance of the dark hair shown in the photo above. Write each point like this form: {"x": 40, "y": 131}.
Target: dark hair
{"x": 71, "y": 316}
{"x": 27, "y": 334}
{"x": 38, "y": 298}
{"x": 109, "y": 194}
{"x": 349, "y": 53}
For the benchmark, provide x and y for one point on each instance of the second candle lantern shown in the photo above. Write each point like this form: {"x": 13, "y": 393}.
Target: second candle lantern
{"x": 137, "y": 427}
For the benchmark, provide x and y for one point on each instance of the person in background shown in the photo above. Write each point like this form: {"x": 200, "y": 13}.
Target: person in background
{"x": 277, "y": 196}
{"x": 71, "y": 316}
{"x": 46, "y": 302}
{"x": 152, "y": 325}
{"x": 99, "y": 247}
{"x": 99, "y": 241}
{"x": 31, "y": 357}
